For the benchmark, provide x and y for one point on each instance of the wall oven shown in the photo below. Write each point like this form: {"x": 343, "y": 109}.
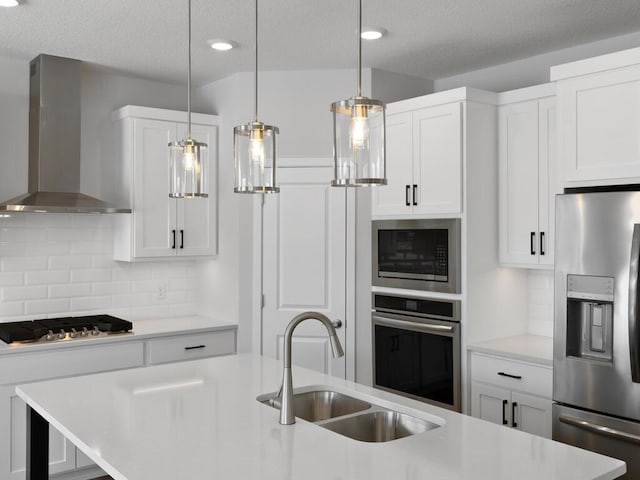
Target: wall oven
{"x": 416, "y": 348}
{"x": 419, "y": 254}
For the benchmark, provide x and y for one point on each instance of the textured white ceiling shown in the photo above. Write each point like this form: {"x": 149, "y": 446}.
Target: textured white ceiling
{"x": 426, "y": 38}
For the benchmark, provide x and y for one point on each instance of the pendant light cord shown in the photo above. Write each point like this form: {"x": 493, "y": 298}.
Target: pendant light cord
{"x": 359, "y": 48}
{"x": 189, "y": 80}
{"x": 255, "y": 116}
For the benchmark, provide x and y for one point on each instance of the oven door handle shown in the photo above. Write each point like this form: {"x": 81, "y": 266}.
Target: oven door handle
{"x": 393, "y": 322}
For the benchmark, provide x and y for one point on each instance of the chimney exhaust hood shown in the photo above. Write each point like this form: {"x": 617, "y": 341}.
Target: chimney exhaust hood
{"x": 54, "y": 142}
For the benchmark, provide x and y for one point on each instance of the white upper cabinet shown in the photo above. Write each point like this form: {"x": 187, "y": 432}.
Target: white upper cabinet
{"x": 599, "y": 119}
{"x": 159, "y": 226}
{"x": 424, "y": 160}
{"x": 527, "y": 176}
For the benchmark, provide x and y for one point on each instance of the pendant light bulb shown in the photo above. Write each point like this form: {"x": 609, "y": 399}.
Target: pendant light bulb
{"x": 188, "y": 163}
{"x": 359, "y": 157}
{"x": 359, "y": 130}
{"x": 254, "y": 148}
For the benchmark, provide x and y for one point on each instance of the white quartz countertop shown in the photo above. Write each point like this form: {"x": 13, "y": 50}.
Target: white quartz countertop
{"x": 200, "y": 420}
{"x": 142, "y": 330}
{"x": 530, "y": 348}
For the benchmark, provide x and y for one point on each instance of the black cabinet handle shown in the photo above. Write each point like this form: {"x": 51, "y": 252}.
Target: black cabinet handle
{"x": 517, "y": 377}
{"x": 541, "y": 243}
{"x": 415, "y": 187}
{"x": 406, "y": 196}
{"x": 173, "y": 244}
{"x": 533, "y": 243}
{"x": 181, "y": 238}
{"x": 504, "y": 412}
{"x": 196, "y": 347}
{"x": 514, "y": 405}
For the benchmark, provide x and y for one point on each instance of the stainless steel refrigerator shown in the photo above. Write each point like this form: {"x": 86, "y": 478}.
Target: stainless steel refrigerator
{"x": 596, "y": 376}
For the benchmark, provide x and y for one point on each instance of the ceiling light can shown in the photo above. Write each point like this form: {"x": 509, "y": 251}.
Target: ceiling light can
{"x": 222, "y": 45}
{"x": 9, "y": 3}
{"x": 373, "y": 33}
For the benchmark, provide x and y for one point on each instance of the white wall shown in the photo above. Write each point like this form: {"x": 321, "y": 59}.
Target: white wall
{"x": 533, "y": 70}
{"x": 57, "y": 264}
{"x": 540, "y": 302}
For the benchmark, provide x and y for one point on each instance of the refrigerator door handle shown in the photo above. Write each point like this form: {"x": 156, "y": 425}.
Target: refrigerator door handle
{"x": 634, "y": 327}
{"x": 600, "y": 430}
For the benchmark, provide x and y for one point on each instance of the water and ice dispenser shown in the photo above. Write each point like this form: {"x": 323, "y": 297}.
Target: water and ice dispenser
{"x": 590, "y": 317}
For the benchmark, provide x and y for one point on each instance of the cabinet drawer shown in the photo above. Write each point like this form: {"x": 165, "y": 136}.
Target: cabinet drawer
{"x": 63, "y": 362}
{"x": 187, "y": 347}
{"x": 534, "y": 379}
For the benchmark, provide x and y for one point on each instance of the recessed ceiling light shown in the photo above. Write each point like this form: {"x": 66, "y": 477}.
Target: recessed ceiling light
{"x": 222, "y": 44}
{"x": 372, "y": 33}
{"x": 8, "y": 3}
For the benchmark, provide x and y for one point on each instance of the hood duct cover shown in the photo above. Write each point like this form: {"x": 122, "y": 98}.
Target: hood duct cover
{"x": 54, "y": 142}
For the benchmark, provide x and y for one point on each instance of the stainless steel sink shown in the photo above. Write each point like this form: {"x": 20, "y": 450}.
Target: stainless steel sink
{"x": 320, "y": 405}
{"x": 379, "y": 426}
{"x": 352, "y": 417}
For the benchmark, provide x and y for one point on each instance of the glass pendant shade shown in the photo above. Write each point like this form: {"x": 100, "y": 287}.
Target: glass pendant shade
{"x": 188, "y": 169}
{"x": 254, "y": 155}
{"x": 359, "y": 142}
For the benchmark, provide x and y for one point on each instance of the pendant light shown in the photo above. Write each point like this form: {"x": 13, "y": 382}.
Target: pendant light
{"x": 188, "y": 164}
{"x": 359, "y": 135}
{"x": 254, "y": 148}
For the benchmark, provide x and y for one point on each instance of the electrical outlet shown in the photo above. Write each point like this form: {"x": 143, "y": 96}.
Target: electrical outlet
{"x": 161, "y": 293}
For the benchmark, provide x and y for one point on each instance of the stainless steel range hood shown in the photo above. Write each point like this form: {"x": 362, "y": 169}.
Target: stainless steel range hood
{"x": 54, "y": 142}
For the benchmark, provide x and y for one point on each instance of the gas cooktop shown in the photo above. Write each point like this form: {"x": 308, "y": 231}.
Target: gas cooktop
{"x": 65, "y": 328}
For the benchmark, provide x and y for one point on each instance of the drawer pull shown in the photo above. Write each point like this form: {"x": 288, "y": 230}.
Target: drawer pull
{"x": 195, "y": 347}
{"x": 517, "y": 377}
{"x": 514, "y": 406}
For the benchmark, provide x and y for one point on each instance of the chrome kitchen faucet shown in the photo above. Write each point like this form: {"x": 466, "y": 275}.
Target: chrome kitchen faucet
{"x": 287, "y": 414}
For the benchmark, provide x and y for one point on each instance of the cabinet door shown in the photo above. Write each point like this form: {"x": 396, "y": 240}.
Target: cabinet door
{"x": 13, "y": 438}
{"x": 392, "y": 199}
{"x": 518, "y": 183}
{"x": 437, "y": 164}
{"x": 196, "y": 217}
{"x": 600, "y": 119}
{"x": 531, "y": 414}
{"x": 490, "y": 403}
{"x": 154, "y": 212}
{"x": 548, "y": 179}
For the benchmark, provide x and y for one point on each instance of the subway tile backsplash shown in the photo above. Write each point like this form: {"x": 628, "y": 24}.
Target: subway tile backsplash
{"x": 540, "y": 302}
{"x": 59, "y": 264}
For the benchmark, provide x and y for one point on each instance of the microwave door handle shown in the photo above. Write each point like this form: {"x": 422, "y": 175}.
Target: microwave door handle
{"x": 634, "y": 327}
{"x": 407, "y": 325}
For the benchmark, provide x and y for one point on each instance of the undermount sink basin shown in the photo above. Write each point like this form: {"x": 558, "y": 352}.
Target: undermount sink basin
{"x": 320, "y": 405}
{"x": 352, "y": 417}
{"x": 379, "y": 426}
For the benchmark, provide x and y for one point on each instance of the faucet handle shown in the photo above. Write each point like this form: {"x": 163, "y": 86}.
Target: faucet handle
{"x": 337, "y": 323}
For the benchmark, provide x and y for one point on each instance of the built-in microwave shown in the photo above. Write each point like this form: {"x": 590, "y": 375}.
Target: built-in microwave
{"x": 421, "y": 254}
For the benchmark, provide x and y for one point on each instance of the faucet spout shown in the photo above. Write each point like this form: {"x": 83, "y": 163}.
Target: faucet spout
{"x": 287, "y": 414}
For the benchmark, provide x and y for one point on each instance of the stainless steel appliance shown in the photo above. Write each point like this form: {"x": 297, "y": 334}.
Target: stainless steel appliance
{"x": 416, "y": 348}
{"x": 596, "y": 383}
{"x": 417, "y": 254}
{"x": 62, "y": 329}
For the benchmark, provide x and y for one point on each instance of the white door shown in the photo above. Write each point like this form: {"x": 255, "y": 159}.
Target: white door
{"x": 519, "y": 241}
{"x": 531, "y": 414}
{"x": 395, "y": 198}
{"x": 304, "y": 266}
{"x": 196, "y": 216}
{"x": 154, "y": 212}
{"x": 490, "y": 403}
{"x": 437, "y": 165}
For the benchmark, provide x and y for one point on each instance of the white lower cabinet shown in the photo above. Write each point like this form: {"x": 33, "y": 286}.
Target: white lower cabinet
{"x": 512, "y": 393}
{"x": 15, "y": 369}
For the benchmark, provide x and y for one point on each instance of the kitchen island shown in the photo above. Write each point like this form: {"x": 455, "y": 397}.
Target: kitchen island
{"x": 200, "y": 420}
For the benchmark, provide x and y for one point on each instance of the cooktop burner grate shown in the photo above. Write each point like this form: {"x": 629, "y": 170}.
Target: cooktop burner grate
{"x": 50, "y": 329}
